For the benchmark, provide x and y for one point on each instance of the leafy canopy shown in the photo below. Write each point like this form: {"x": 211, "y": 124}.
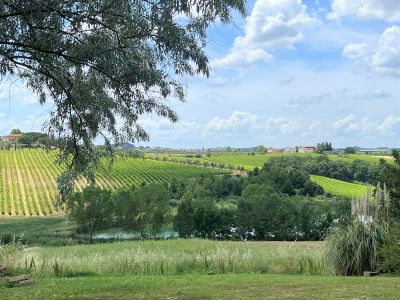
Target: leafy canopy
{"x": 104, "y": 63}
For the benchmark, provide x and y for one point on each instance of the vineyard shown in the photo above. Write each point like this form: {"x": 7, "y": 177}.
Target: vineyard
{"x": 28, "y": 179}
{"x": 338, "y": 187}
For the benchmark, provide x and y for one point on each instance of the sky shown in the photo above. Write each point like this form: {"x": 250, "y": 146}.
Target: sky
{"x": 292, "y": 72}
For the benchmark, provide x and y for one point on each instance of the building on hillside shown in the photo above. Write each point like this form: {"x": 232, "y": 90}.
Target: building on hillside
{"x": 290, "y": 149}
{"x": 275, "y": 150}
{"x": 307, "y": 149}
{"x": 11, "y": 138}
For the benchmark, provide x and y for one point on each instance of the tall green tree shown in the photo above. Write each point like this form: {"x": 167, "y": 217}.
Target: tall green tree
{"x": 144, "y": 210}
{"x": 390, "y": 175}
{"x": 104, "y": 63}
{"x": 91, "y": 209}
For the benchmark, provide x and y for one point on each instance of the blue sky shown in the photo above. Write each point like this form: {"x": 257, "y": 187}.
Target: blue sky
{"x": 291, "y": 73}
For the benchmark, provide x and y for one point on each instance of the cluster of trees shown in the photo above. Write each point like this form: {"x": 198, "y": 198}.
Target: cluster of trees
{"x": 261, "y": 213}
{"x": 143, "y": 210}
{"x": 271, "y": 204}
{"x": 274, "y": 204}
{"x": 321, "y": 165}
{"x": 324, "y": 146}
{"x": 31, "y": 140}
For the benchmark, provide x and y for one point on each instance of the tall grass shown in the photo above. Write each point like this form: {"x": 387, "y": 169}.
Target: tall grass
{"x": 353, "y": 249}
{"x": 173, "y": 257}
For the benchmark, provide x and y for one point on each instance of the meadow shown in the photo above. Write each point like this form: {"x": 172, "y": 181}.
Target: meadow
{"x": 188, "y": 269}
{"x": 172, "y": 257}
{"x": 28, "y": 178}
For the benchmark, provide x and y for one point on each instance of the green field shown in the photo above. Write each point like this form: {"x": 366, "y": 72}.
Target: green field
{"x": 28, "y": 179}
{"x": 249, "y": 162}
{"x": 340, "y": 188}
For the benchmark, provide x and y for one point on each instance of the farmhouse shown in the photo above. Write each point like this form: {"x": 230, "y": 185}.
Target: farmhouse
{"x": 290, "y": 149}
{"x": 275, "y": 150}
{"x": 11, "y": 138}
{"x": 307, "y": 149}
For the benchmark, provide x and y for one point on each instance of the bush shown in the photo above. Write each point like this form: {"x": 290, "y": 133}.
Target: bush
{"x": 389, "y": 252}
{"x": 353, "y": 248}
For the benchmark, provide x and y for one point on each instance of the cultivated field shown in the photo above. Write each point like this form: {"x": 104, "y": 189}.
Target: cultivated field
{"x": 338, "y": 187}
{"x": 28, "y": 179}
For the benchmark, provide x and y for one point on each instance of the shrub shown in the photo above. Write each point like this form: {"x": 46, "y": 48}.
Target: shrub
{"x": 353, "y": 248}
{"x": 389, "y": 252}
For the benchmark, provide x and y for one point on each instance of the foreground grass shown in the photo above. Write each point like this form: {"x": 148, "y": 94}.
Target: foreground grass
{"x": 232, "y": 286}
{"x": 172, "y": 257}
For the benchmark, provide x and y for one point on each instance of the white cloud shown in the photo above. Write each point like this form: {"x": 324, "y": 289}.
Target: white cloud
{"x": 243, "y": 57}
{"x": 383, "y": 58}
{"x": 386, "y": 58}
{"x": 343, "y": 122}
{"x": 163, "y": 124}
{"x": 236, "y": 120}
{"x": 355, "y": 51}
{"x": 390, "y": 125}
{"x": 387, "y": 10}
{"x": 351, "y": 125}
{"x": 271, "y": 24}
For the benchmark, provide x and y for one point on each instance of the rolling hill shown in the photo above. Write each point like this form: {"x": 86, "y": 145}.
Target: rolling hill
{"x": 28, "y": 178}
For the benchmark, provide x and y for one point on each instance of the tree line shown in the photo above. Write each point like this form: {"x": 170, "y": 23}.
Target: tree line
{"x": 271, "y": 204}
{"x": 357, "y": 170}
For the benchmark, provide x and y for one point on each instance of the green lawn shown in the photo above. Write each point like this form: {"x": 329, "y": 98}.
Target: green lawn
{"x": 230, "y": 286}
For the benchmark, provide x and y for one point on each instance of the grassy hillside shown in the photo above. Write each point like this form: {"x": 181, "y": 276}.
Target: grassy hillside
{"x": 340, "y": 188}
{"x": 28, "y": 179}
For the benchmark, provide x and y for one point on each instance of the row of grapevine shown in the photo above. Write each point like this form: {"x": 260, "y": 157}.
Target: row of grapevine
{"x": 28, "y": 178}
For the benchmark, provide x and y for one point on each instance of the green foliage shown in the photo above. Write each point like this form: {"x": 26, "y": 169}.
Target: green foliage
{"x": 104, "y": 60}
{"x": 91, "y": 209}
{"x": 390, "y": 175}
{"x": 203, "y": 218}
{"x": 349, "y": 150}
{"x": 389, "y": 251}
{"x": 264, "y": 214}
{"x": 15, "y": 131}
{"x": 324, "y": 146}
{"x": 38, "y": 138}
{"x": 328, "y": 166}
{"x": 353, "y": 248}
{"x": 144, "y": 210}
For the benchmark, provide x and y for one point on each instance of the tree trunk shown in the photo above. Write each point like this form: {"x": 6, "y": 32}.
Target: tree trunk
{"x": 91, "y": 232}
